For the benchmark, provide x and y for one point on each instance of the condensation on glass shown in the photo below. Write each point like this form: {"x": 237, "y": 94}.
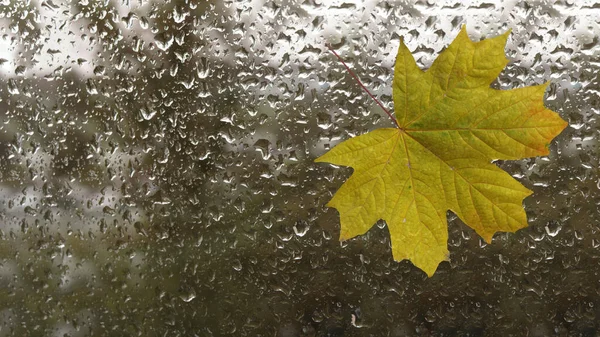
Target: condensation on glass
{"x": 157, "y": 175}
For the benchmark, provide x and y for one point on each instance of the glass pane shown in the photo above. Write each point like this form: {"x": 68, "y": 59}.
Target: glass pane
{"x": 157, "y": 174}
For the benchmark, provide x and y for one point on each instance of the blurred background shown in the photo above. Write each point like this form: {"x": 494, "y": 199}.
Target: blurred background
{"x": 157, "y": 175}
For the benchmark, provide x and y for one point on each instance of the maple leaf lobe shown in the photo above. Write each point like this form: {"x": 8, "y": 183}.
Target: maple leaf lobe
{"x": 452, "y": 125}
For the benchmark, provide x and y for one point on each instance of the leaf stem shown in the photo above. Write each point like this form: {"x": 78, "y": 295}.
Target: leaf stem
{"x": 364, "y": 88}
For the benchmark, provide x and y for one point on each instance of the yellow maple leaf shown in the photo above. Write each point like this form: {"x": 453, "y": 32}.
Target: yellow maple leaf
{"x": 451, "y": 125}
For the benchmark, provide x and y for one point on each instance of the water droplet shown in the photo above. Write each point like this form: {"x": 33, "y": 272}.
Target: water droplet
{"x": 301, "y": 227}
{"x": 187, "y": 294}
{"x": 553, "y": 228}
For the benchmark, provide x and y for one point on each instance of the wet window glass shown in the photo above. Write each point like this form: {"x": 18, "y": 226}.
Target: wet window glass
{"x": 157, "y": 173}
